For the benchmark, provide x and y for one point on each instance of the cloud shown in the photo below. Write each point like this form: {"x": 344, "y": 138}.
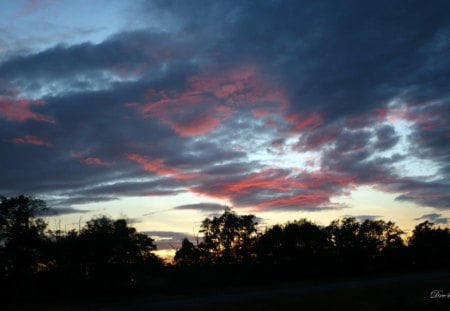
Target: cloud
{"x": 158, "y": 167}
{"x": 77, "y": 199}
{"x": 277, "y": 189}
{"x": 211, "y": 98}
{"x": 204, "y": 207}
{"x": 226, "y": 99}
{"x": 89, "y": 160}
{"x": 60, "y": 211}
{"x": 386, "y": 138}
{"x": 152, "y": 187}
{"x": 435, "y": 218}
{"x": 30, "y": 140}
{"x": 362, "y": 218}
{"x": 168, "y": 239}
{"x": 19, "y": 110}
{"x": 434, "y": 194}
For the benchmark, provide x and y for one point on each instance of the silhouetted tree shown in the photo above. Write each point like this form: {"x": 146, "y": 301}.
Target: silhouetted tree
{"x": 22, "y": 238}
{"x": 109, "y": 256}
{"x": 228, "y": 238}
{"x": 430, "y": 245}
{"x": 300, "y": 241}
{"x": 359, "y": 245}
{"x": 106, "y": 253}
{"x": 188, "y": 254}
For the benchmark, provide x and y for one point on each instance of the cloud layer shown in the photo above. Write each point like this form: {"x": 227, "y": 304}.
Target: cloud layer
{"x": 271, "y": 105}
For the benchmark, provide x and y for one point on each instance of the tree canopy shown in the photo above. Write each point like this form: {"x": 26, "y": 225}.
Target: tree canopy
{"x": 109, "y": 256}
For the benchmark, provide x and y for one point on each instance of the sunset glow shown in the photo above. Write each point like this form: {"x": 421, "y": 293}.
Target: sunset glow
{"x": 165, "y": 112}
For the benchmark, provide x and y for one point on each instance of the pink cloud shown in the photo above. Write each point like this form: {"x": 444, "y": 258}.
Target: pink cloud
{"x": 87, "y": 160}
{"x": 301, "y": 123}
{"x": 312, "y": 200}
{"x": 323, "y": 179}
{"x": 159, "y": 167}
{"x": 301, "y": 189}
{"x": 428, "y": 117}
{"x": 260, "y": 113}
{"x": 31, "y": 140}
{"x": 292, "y": 189}
{"x": 92, "y": 161}
{"x": 20, "y": 110}
{"x": 200, "y": 125}
{"x": 210, "y": 99}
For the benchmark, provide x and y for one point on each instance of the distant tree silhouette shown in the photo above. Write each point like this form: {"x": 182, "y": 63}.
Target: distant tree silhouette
{"x": 106, "y": 251}
{"x": 108, "y": 256}
{"x": 430, "y": 245}
{"x": 228, "y": 238}
{"x": 359, "y": 245}
{"x": 300, "y": 241}
{"x": 105, "y": 255}
{"x": 188, "y": 254}
{"x": 22, "y": 238}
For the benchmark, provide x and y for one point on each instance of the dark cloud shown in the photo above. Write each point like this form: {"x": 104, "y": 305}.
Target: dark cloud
{"x": 433, "y": 194}
{"x": 89, "y": 66}
{"x": 187, "y": 106}
{"x": 64, "y": 203}
{"x": 59, "y": 211}
{"x": 386, "y": 138}
{"x": 204, "y": 207}
{"x": 362, "y": 218}
{"x": 337, "y": 58}
{"x": 434, "y": 218}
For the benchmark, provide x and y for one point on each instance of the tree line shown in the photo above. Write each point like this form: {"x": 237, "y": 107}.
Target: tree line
{"x": 107, "y": 256}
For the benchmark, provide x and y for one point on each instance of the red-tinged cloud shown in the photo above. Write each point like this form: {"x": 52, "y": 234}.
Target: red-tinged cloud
{"x": 366, "y": 119}
{"x": 188, "y": 82}
{"x": 19, "y": 110}
{"x": 260, "y": 113}
{"x": 428, "y": 117}
{"x": 300, "y": 123}
{"x": 89, "y": 160}
{"x": 432, "y": 121}
{"x": 270, "y": 188}
{"x": 199, "y": 125}
{"x": 277, "y": 188}
{"x": 210, "y": 99}
{"x": 92, "y": 161}
{"x": 158, "y": 167}
{"x": 311, "y": 201}
{"x": 186, "y": 114}
{"x": 319, "y": 138}
{"x": 271, "y": 179}
{"x": 31, "y": 140}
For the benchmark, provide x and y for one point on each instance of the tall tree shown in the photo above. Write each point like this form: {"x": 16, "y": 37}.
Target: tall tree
{"x": 359, "y": 245}
{"x": 228, "y": 238}
{"x": 188, "y": 254}
{"x": 295, "y": 241}
{"x": 430, "y": 245}
{"x": 22, "y": 238}
{"x": 106, "y": 254}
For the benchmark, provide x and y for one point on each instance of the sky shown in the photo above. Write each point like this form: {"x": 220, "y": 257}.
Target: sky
{"x": 165, "y": 112}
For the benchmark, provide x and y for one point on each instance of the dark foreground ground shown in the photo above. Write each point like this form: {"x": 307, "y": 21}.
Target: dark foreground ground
{"x": 411, "y": 291}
